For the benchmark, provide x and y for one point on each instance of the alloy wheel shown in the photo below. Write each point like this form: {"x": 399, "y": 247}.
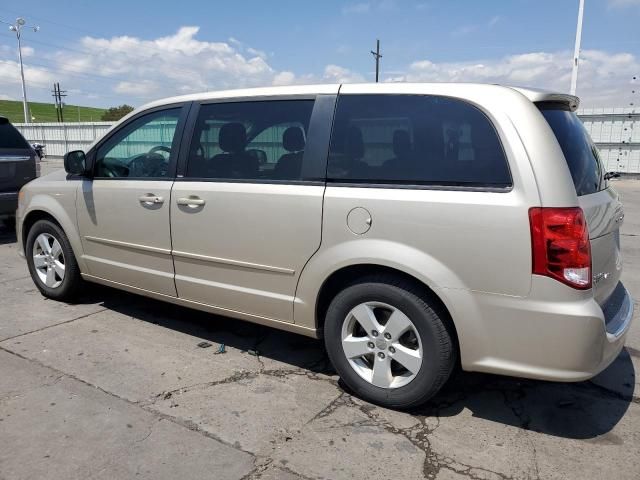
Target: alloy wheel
{"x": 382, "y": 344}
{"x": 48, "y": 260}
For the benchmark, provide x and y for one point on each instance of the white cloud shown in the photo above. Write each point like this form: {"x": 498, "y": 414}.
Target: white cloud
{"x": 34, "y": 76}
{"x": 139, "y": 89}
{"x": 5, "y": 97}
{"x": 338, "y": 74}
{"x": 284, "y": 78}
{"x": 604, "y": 78}
{"x": 331, "y": 74}
{"x": 175, "y": 63}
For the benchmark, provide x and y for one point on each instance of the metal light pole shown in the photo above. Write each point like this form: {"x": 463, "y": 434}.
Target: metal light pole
{"x": 576, "y": 51}
{"x": 17, "y": 28}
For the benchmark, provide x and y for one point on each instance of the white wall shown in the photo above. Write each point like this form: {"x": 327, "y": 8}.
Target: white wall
{"x": 61, "y": 138}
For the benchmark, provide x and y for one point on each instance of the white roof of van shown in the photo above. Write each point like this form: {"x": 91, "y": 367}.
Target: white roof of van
{"x": 534, "y": 95}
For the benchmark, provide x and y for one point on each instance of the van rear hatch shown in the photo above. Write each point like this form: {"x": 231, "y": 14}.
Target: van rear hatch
{"x": 600, "y": 204}
{"x": 17, "y": 159}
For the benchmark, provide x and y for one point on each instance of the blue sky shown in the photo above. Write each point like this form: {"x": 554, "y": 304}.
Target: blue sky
{"x": 105, "y": 53}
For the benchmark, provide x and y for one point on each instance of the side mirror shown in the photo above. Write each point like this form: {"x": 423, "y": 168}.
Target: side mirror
{"x": 75, "y": 162}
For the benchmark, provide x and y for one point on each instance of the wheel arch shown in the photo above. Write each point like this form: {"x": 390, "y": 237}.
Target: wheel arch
{"x": 350, "y": 274}
{"x": 29, "y": 221}
{"x": 59, "y": 216}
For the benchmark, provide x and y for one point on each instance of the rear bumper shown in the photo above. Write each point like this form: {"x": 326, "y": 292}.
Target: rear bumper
{"x": 8, "y": 203}
{"x": 546, "y": 336}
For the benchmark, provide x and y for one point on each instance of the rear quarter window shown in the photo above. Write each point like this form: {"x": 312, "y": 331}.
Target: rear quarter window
{"x": 579, "y": 151}
{"x": 415, "y": 140}
{"x": 10, "y": 137}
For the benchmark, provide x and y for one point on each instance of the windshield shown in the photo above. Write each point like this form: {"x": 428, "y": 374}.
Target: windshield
{"x": 579, "y": 150}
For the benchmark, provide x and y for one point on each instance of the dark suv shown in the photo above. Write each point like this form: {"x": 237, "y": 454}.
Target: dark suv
{"x": 19, "y": 164}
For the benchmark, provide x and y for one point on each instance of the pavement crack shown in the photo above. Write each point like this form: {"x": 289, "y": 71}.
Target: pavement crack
{"x": 188, "y": 424}
{"x": 260, "y": 465}
{"x": 52, "y": 326}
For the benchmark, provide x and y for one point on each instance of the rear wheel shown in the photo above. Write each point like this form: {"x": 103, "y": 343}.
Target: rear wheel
{"x": 389, "y": 342}
{"x": 51, "y": 262}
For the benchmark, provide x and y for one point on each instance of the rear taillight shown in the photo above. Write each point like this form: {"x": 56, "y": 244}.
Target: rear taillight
{"x": 560, "y": 245}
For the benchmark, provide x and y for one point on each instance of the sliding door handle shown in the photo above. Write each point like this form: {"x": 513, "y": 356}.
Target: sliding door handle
{"x": 191, "y": 201}
{"x": 150, "y": 199}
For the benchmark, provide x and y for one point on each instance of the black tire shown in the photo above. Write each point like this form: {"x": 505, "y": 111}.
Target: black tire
{"x": 72, "y": 281}
{"x": 439, "y": 348}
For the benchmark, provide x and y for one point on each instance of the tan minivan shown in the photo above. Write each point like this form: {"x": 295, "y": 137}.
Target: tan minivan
{"x": 413, "y": 226}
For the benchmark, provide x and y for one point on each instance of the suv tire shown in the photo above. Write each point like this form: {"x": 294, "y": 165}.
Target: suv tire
{"x": 56, "y": 274}
{"x": 397, "y": 370}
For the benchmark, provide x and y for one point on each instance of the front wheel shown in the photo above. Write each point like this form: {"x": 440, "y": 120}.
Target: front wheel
{"x": 389, "y": 342}
{"x": 51, "y": 262}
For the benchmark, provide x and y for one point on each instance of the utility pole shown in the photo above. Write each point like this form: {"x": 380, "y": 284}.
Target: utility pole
{"x": 377, "y": 56}
{"x": 17, "y": 29}
{"x": 57, "y": 95}
{"x": 576, "y": 51}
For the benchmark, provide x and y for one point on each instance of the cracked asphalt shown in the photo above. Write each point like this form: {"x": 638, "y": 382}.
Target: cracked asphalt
{"x": 115, "y": 386}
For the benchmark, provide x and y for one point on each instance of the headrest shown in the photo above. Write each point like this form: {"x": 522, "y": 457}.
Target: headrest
{"x": 401, "y": 143}
{"x": 293, "y": 139}
{"x": 232, "y": 137}
{"x": 354, "y": 143}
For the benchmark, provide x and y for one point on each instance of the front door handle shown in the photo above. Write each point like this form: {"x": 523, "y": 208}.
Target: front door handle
{"x": 151, "y": 199}
{"x": 191, "y": 201}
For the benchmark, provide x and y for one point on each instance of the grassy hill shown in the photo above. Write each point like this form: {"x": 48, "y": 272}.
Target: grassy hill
{"x": 46, "y": 112}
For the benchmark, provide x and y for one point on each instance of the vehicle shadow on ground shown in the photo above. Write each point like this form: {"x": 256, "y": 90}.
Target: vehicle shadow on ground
{"x": 584, "y": 410}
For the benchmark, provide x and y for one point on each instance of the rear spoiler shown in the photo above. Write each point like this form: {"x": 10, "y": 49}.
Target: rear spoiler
{"x": 538, "y": 96}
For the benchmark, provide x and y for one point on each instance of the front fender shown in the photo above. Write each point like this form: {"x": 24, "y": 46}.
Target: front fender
{"x": 60, "y": 205}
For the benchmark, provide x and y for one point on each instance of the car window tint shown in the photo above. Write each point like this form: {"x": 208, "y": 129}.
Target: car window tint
{"x": 142, "y": 149}
{"x": 579, "y": 150}
{"x": 412, "y": 139}
{"x": 10, "y": 137}
{"x": 261, "y": 140}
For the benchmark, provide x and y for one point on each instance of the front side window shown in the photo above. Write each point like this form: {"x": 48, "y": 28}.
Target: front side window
{"x": 412, "y": 139}
{"x": 261, "y": 140}
{"x": 142, "y": 149}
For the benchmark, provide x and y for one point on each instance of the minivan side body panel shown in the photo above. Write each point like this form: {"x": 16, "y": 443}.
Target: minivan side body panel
{"x": 259, "y": 233}
{"x": 454, "y": 240}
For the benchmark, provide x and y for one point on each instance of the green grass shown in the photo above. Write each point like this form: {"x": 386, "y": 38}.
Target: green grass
{"x": 46, "y": 112}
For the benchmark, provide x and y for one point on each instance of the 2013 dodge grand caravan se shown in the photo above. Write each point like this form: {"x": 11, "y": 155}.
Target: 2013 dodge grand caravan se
{"x": 412, "y": 225}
